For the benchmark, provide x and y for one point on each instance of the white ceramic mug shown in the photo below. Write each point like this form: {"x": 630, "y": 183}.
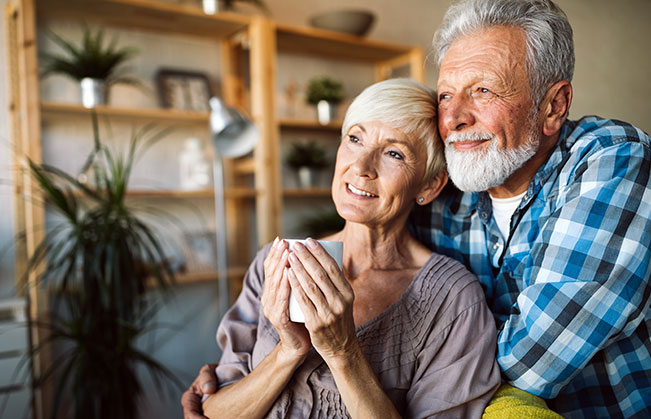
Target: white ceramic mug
{"x": 334, "y": 249}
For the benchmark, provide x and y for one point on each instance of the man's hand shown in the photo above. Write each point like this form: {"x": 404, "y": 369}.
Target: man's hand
{"x": 205, "y": 383}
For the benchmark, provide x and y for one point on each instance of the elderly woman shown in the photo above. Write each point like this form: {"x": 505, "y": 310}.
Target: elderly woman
{"x": 400, "y": 331}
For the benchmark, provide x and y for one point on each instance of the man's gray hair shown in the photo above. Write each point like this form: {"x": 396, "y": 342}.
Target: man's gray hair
{"x": 406, "y": 105}
{"x": 550, "y": 48}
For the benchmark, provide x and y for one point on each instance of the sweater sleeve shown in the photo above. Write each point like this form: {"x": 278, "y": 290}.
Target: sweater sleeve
{"x": 456, "y": 372}
{"x": 237, "y": 332}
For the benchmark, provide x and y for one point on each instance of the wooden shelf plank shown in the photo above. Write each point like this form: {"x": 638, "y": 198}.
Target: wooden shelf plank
{"x": 155, "y": 114}
{"x": 234, "y": 273}
{"x": 324, "y": 43}
{"x": 308, "y": 124}
{"x": 231, "y": 193}
{"x": 238, "y": 192}
{"x": 184, "y": 19}
{"x": 307, "y": 192}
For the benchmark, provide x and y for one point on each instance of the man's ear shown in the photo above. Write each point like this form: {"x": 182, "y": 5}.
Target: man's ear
{"x": 432, "y": 188}
{"x": 556, "y": 106}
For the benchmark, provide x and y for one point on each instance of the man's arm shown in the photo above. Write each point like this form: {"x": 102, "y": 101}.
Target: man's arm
{"x": 588, "y": 276}
{"x": 204, "y": 384}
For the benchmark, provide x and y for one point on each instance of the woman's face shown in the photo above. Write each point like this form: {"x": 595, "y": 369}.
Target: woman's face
{"x": 378, "y": 173}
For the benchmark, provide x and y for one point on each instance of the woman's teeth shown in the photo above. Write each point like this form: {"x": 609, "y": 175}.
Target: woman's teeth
{"x": 360, "y": 192}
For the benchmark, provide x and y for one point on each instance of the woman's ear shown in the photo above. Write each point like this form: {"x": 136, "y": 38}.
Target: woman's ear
{"x": 432, "y": 188}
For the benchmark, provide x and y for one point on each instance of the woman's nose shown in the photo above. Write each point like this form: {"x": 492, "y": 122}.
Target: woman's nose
{"x": 456, "y": 114}
{"x": 365, "y": 164}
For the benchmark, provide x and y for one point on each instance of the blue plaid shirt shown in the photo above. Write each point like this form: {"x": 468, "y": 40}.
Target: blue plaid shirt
{"x": 570, "y": 286}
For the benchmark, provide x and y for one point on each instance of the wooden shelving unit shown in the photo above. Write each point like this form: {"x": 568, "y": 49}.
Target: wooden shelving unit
{"x": 308, "y": 124}
{"x": 53, "y": 110}
{"x": 264, "y": 40}
{"x": 150, "y": 15}
{"x": 307, "y": 192}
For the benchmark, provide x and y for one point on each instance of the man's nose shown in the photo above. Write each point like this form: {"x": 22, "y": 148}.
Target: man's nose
{"x": 456, "y": 114}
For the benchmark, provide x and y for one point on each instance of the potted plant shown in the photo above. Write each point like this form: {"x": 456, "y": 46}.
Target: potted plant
{"x": 306, "y": 159}
{"x": 321, "y": 224}
{"x": 97, "y": 262}
{"x": 95, "y": 66}
{"x": 213, "y": 6}
{"x": 326, "y": 93}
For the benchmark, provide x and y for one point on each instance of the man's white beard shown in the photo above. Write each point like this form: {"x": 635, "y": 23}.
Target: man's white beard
{"x": 474, "y": 171}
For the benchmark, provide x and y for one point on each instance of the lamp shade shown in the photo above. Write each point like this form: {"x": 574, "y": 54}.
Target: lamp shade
{"x": 232, "y": 134}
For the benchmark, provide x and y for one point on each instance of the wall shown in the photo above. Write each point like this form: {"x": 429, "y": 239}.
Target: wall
{"x": 611, "y": 79}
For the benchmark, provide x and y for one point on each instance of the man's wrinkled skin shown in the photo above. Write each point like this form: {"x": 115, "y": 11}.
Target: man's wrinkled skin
{"x": 204, "y": 384}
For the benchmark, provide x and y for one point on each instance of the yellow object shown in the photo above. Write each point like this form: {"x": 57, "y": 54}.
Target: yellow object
{"x": 512, "y": 403}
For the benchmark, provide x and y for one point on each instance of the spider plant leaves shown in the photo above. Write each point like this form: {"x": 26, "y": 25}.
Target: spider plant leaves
{"x": 90, "y": 59}
{"x": 99, "y": 258}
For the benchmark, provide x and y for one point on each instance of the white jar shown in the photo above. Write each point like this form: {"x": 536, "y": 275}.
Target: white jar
{"x": 195, "y": 168}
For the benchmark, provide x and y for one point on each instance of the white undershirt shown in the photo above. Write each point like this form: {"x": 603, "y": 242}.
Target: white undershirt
{"x": 503, "y": 209}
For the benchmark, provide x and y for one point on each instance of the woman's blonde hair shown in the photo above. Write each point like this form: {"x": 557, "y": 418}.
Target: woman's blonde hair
{"x": 406, "y": 105}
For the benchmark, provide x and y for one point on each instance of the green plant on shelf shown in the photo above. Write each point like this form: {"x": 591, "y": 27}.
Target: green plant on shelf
{"x": 306, "y": 154}
{"x": 322, "y": 224}
{"x": 91, "y": 59}
{"x": 324, "y": 88}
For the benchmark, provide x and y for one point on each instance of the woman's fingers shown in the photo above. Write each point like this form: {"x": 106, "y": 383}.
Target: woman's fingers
{"x": 306, "y": 304}
{"x": 323, "y": 270}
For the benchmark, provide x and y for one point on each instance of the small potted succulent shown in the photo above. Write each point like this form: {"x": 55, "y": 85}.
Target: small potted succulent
{"x": 306, "y": 159}
{"x": 95, "y": 66}
{"x": 326, "y": 93}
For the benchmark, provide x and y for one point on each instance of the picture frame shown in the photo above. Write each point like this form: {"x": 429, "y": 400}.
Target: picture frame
{"x": 200, "y": 251}
{"x": 183, "y": 90}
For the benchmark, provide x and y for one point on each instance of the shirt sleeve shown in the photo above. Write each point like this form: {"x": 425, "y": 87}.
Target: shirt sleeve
{"x": 587, "y": 282}
{"x": 457, "y": 374}
{"x": 237, "y": 332}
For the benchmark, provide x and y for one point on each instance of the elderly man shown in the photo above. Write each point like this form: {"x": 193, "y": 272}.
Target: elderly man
{"x": 554, "y": 217}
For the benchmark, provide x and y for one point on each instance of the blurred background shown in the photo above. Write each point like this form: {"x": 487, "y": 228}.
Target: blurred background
{"x": 270, "y": 61}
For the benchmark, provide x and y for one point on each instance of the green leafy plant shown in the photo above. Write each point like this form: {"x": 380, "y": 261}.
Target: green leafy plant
{"x": 97, "y": 260}
{"x": 90, "y": 59}
{"x": 307, "y": 154}
{"x": 322, "y": 224}
{"x": 324, "y": 88}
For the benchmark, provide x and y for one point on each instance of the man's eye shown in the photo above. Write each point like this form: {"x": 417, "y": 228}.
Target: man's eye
{"x": 443, "y": 97}
{"x": 483, "y": 90}
{"x": 395, "y": 155}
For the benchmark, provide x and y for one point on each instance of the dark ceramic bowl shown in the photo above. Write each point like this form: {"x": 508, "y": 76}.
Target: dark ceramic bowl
{"x": 353, "y": 22}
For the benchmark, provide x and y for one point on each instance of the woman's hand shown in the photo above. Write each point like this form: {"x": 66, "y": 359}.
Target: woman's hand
{"x": 326, "y": 299}
{"x": 294, "y": 338}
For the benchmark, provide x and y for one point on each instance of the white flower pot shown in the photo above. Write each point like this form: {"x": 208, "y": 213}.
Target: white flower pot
{"x": 325, "y": 112}
{"x": 93, "y": 92}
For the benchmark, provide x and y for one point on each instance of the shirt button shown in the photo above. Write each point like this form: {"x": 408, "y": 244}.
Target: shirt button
{"x": 496, "y": 246}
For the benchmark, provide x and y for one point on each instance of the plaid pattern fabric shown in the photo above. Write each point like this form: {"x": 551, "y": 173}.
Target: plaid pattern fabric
{"x": 570, "y": 287}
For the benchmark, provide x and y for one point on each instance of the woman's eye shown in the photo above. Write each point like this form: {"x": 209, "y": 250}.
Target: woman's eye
{"x": 443, "y": 96}
{"x": 353, "y": 139}
{"x": 483, "y": 90}
{"x": 396, "y": 155}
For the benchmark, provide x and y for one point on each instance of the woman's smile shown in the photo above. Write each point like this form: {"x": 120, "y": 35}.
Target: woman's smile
{"x": 359, "y": 193}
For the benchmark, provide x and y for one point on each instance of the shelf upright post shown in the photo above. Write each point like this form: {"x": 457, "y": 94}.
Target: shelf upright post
{"x": 237, "y": 209}
{"x": 263, "y": 106}
{"x": 28, "y": 204}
